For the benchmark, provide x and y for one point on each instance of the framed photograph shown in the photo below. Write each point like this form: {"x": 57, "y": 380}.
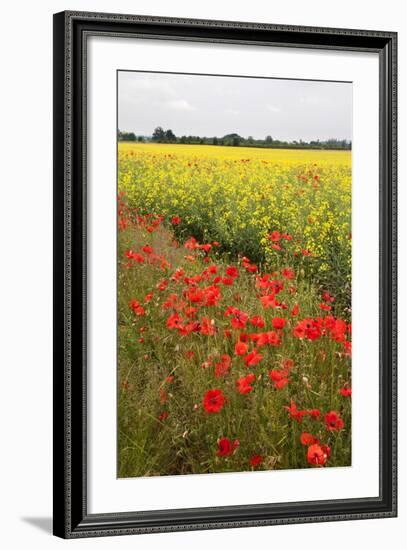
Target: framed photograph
{"x": 224, "y": 274}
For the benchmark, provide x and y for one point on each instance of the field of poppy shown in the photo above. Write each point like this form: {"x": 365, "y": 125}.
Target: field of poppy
{"x": 234, "y": 333}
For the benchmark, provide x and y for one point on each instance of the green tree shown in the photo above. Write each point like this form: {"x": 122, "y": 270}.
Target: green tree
{"x": 158, "y": 135}
{"x": 170, "y": 136}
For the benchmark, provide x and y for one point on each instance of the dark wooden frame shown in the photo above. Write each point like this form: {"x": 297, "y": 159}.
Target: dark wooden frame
{"x": 71, "y": 518}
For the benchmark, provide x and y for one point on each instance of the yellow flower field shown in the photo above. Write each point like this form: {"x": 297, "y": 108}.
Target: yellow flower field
{"x": 278, "y": 156}
{"x": 238, "y": 195}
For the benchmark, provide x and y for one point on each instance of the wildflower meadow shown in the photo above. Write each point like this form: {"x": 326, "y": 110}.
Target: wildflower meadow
{"x": 234, "y": 309}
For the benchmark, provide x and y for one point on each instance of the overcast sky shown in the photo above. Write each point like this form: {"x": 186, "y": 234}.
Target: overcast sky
{"x": 218, "y": 105}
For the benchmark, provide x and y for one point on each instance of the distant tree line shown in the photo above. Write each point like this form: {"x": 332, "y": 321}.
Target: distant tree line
{"x": 235, "y": 140}
{"x": 129, "y": 136}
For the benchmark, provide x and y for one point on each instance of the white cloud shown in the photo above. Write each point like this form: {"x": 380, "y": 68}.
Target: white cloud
{"x": 180, "y": 105}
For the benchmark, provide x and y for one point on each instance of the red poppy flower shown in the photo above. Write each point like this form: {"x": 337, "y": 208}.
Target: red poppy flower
{"x": 214, "y": 400}
{"x": 239, "y": 319}
{"x": 134, "y": 256}
{"x": 162, "y": 285}
{"x": 175, "y": 220}
{"x": 294, "y": 311}
{"x": 278, "y": 323}
{"x": 307, "y": 328}
{"x": 273, "y": 338}
{"x": 333, "y": 421}
{"x": 287, "y": 273}
{"x": 147, "y": 249}
{"x": 148, "y": 297}
{"x": 316, "y": 455}
{"x": 256, "y": 460}
{"x": 123, "y": 223}
{"x": 241, "y": 348}
{"x": 191, "y": 244}
{"x": 348, "y": 348}
{"x": 268, "y": 301}
{"x": 223, "y": 366}
{"x": 324, "y": 307}
{"x": 195, "y": 295}
{"x": 329, "y": 321}
{"x": 327, "y": 297}
{"x": 226, "y": 447}
{"x": 346, "y": 392}
{"x": 257, "y": 321}
{"x": 327, "y": 451}
{"x": 137, "y": 308}
{"x": 294, "y": 412}
{"x": 286, "y": 236}
{"x": 279, "y": 378}
{"x": 232, "y": 271}
{"x": 190, "y": 312}
{"x": 205, "y": 247}
{"x": 139, "y": 258}
{"x": 243, "y": 385}
{"x": 170, "y": 302}
{"x": 307, "y": 439}
{"x": 179, "y": 273}
{"x": 262, "y": 282}
{"x": 174, "y": 321}
{"x": 252, "y": 358}
{"x": 274, "y": 236}
{"x": 280, "y": 384}
{"x": 212, "y": 295}
{"x": 338, "y": 331}
{"x": 275, "y": 375}
{"x": 207, "y": 327}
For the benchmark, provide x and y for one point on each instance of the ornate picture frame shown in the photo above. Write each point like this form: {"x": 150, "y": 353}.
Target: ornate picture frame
{"x": 72, "y": 31}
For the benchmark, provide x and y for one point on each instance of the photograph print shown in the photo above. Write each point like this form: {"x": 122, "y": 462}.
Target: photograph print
{"x": 234, "y": 263}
